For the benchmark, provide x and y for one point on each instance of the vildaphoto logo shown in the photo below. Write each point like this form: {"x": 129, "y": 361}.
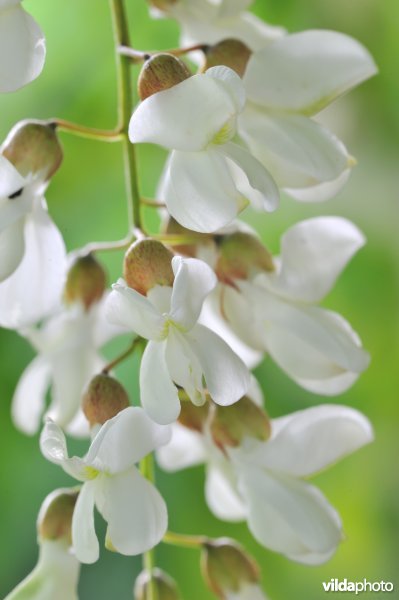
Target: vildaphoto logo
{"x": 335, "y": 585}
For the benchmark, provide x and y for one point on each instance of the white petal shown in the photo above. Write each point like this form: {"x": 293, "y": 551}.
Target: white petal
{"x": 22, "y": 49}
{"x": 247, "y": 591}
{"x": 231, "y": 82}
{"x": 12, "y": 248}
{"x": 35, "y": 288}
{"x": 135, "y": 511}
{"x": 310, "y": 440}
{"x": 258, "y": 186}
{"x": 84, "y": 538}
{"x": 222, "y": 496}
{"x": 166, "y": 118}
{"x": 200, "y": 192}
{"x": 296, "y": 150}
{"x": 290, "y": 516}
{"x": 194, "y": 280}
{"x": 232, "y": 8}
{"x": 306, "y": 71}
{"x": 226, "y": 376}
{"x": 320, "y": 192}
{"x": 333, "y": 386}
{"x": 29, "y": 397}
{"x": 185, "y": 449}
{"x": 313, "y": 254}
{"x": 159, "y": 396}
{"x": 10, "y": 180}
{"x": 184, "y": 367}
{"x": 238, "y": 310}
{"x": 125, "y": 440}
{"x": 127, "y": 308}
{"x": 53, "y": 447}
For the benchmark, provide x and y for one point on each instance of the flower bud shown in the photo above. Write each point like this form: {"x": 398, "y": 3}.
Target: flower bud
{"x": 33, "y": 147}
{"x": 227, "y": 568}
{"x": 230, "y": 53}
{"x": 55, "y": 516}
{"x": 161, "y": 72}
{"x": 86, "y": 282}
{"x": 163, "y": 5}
{"x": 229, "y": 425}
{"x": 241, "y": 255}
{"x": 148, "y": 263}
{"x": 104, "y": 399}
{"x": 191, "y": 416}
{"x": 165, "y": 586}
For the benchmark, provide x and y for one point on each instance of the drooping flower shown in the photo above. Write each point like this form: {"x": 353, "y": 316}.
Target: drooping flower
{"x": 287, "y": 83}
{"x": 68, "y": 357}
{"x": 133, "y": 508}
{"x": 56, "y": 574}
{"x": 208, "y": 22}
{"x": 22, "y": 46}
{"x": 263, "y": 482}
{"x": 208, "y": 178}
{"x": 273, "y": 310}
{"x": 180, "y": 352}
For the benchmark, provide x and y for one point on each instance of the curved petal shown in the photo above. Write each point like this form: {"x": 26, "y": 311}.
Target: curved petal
{"x": 231, "y": 82}
{"x": 320, "y": 192}
{"x": 124, "y": 440}
{"x": 166, "y": 118}
{"x": 159, "y": 396}
{"x": 127, "y": 308}
{"x": 310, "y": 440}
{"x": 29, "y": 397}
{"x": 313, "y": 254}
{"x": 296, "y": 150}
{"x": 22, "y": 49}
{"x": 222, "y": 497}
{"x": 135, "y": 511}
{"x": 226, "y": 376}
{"x": 194, "y": 280}
{"x": 333, "y": 386}
{"x": 200, "y": 192}
{"x": 184, "y": 367}
{"x": 12, "y": 248}
{"x": 43, "y": 267}
{"x": 185, "y": 449}
{"x": 53, "y": 447}
{"x": 258, "y": 187}
{"x": 10, "y": 180}
{"x": 232, "y": 8}
{"x": 306, "y": 71}
{"x": 84, "y": 538}
{"x": 290, "y": 516}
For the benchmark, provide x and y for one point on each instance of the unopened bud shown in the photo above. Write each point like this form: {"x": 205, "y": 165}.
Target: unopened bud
{"x": 148, "y": 263}
{"x": 55, "y": 516}
{"x": 227, "y": 568}
{"x": 191, "y": 416}
{"x": 161, "y": 72}
{"x": 104, "y": 399}
{"x": 164, "y": 586}
{"x": 86, "y": 282}
{"x": 229, "y": 425}
{"x": 230, "y": 53}
{"x": 201, "y": 240}
{"x": 163, "y": 5}
{"x": 241, "y": 255}
{"x": 33, "y": 147}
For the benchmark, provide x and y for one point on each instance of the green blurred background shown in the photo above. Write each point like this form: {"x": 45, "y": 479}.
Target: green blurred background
{"x": 86, "y": 199}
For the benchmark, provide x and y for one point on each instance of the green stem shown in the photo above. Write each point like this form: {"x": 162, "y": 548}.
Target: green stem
{"x": 103, "y": 135}
{"x": 136, "y": 342}
{"x": 125, "y": 106}
{"x": 185, "y": 541}
{"x": 147, "y": 470}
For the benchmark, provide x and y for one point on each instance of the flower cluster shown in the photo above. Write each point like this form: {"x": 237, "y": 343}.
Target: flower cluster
{"x": 205, "y": 300}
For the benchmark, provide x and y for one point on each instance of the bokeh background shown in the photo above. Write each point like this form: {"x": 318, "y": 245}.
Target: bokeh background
{"x": 86, "y": 199}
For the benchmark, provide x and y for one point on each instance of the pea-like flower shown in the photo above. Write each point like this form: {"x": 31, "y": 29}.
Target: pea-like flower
{"x": 263, "y": 482}
{"x": 287, "y": 83}
{"x": 133, "y": 508}
{"x": 208, "y": 178}
{"x": 32, "y": 250}
{"x": 180, "y": 352}
{"x": 22, "y": 46}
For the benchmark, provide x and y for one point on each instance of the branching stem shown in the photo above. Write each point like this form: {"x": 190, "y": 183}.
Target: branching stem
{"x": 119, "y": 359}
{"x": 102, "y": 135}
{"x": 195, "y": 542}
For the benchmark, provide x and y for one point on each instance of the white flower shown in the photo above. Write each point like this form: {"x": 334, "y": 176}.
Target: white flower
{"x": 33, "y": 256}
{"x": 208, "y": 22}
{"x": 68, "y": 357}
{"x": 273, "y": 312}
{"x": 262, "y": 482}
{"x": 56, "y": 575}
{"x": 22, "y": 46}
{"x": 133, "y": 508}
{"x": 208, "y": 179}
{"x": 247, "y": 591}
{"x": 288, "y": 82}
{"x": 180, "y": 352}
